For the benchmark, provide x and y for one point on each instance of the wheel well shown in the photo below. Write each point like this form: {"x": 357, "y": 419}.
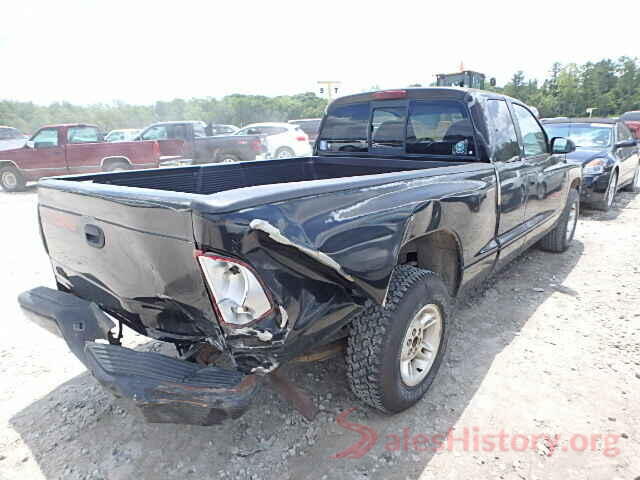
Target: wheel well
{"x": 576, "y": 184}
{"x": 439, "y": 252}
{"x": 111, "y": 160}
{"x": 7, "y": 163}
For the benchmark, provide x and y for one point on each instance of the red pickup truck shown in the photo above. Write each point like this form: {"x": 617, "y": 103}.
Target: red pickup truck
{"x": 71, "y": 149}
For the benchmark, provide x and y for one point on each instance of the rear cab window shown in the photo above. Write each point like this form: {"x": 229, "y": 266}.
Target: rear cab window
{"x": 83, "y": 134}
{"x": 439, "y": 128}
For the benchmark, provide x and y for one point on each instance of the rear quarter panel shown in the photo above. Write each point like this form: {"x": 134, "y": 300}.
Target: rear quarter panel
{"x": 89, "y": 157}
{"x": 341, "y": 247}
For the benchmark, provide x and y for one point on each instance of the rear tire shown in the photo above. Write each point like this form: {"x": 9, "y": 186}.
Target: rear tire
{"x": 116, "y": 166}
{"x": 228, "y": 158}
{"x": 11, "y": 180}
{"x": 559, "y": 239}
{"x": 284, "y": 152}
{"x": 634, "y": 186}
{"x": 382, "y": 338}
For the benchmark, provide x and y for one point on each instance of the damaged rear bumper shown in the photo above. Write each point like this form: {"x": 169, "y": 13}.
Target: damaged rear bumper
{"x": 166, "y": 389}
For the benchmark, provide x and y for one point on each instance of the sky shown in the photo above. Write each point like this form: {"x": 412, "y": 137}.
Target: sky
{"x": 85, "y": 51}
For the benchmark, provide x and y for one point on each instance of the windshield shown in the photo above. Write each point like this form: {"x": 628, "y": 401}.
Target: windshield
{"x": 584, "y": 135}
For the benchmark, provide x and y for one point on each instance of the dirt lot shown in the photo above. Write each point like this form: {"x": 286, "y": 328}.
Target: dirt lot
{"x": 550, "y": 347}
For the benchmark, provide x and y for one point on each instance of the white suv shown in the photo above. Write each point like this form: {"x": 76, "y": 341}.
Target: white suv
{"x": 283, "y": 140}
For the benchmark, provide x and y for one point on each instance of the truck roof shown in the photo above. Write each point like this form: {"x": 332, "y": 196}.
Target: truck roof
{"x": 458, "y": 93}
{"x": 580, "y": 120}
{"x": 176, "y": 122}
{"x": 57, "y": 125}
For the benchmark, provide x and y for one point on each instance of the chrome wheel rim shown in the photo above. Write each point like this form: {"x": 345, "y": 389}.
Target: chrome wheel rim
{"x": 420, "y": 345}
{"x": 284, "y": 154}
{"x": 228, "y": 160}
{"x": 612, "y": 190}
{"x": 9, "y": 179}
{"x": 571, "y": 223}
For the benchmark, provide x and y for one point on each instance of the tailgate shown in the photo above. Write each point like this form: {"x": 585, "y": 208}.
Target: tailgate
{"x": 131, "y": 251}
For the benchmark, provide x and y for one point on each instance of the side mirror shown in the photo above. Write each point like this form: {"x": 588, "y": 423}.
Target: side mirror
{"x": 29, "y": 144}
{"x": 492, "y": 81}
{"x": 561, "y": 145}
{"x": 625, "y": 144}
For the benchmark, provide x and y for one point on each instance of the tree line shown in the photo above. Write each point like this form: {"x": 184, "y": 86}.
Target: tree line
{"x": 233, "y": 109}
{"x": 609, "y": 87}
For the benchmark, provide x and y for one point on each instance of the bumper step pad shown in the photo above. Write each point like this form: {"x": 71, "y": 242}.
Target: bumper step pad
{"x": 166, "y": 389}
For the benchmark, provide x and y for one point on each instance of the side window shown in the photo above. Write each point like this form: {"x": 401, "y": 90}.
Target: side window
{"x": 159, "y": 132}
{"x": 46, "y": 138}
{"x": 6, "y": 133}
{"x": 387, "y": 127}
{"x": 624, "y": 133}
{"x": 439, "y": 128}
{"x": 502, "y": 132}
{"x": 533, "y": 138}
{"x": 178, "y": 132}
{"x": 82, "y": 135}
{"x": 198, "y": 131}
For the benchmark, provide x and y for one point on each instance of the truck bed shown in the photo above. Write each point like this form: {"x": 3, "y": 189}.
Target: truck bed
{"x": 215, "y": 178}
{"x": 151, "y": 221}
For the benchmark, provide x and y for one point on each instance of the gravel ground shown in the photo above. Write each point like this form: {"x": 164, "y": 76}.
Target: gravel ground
{"x": 549, "y": 347}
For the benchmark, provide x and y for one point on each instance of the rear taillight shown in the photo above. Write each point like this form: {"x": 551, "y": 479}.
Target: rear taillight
{"x": 236, "y": 293}
{"x": 389, "y": 94}
{"x": 257, "y": 145}
{"x": 302, "y": 138}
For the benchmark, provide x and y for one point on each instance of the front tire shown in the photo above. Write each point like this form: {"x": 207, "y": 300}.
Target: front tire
{"x": 634, "y": 186}
{"x": 411, "y": 327}
{"x": 11, "y": 180}
{"x": 559, "y": 239}
{"x": 606, "y": 203}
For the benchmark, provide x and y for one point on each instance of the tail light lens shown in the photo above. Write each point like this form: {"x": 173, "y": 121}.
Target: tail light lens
{"x": 257, "y": 145}
{"x": 237, "y": 294}
{"x": 302, "y": 138}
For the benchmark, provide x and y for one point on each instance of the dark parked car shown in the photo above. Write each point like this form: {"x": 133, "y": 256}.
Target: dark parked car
{"x": 607, "y": 151}
{"x": 412, "y": 197}
{"x": 310, "y": 126}
{"x": 189, "y": 140}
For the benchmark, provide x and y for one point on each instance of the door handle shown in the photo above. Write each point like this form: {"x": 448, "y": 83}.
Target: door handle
{"x": 94, "y": 235}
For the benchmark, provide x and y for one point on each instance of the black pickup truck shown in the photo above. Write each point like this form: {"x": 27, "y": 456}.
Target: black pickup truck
{"x": 411, "y": 198}
{"x": 188, "y": 140}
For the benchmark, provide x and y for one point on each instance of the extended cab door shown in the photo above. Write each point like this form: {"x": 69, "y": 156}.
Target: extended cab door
{"x": 84, "y": 150}
{"x": 545, "y": 174}
{"x": 510, "y": 169}
{"x": 173, "y": 139}
{"x": 46, "y": 158}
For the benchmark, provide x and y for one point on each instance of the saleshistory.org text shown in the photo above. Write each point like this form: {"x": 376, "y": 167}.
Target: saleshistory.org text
{"x": 474, "y": 440}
